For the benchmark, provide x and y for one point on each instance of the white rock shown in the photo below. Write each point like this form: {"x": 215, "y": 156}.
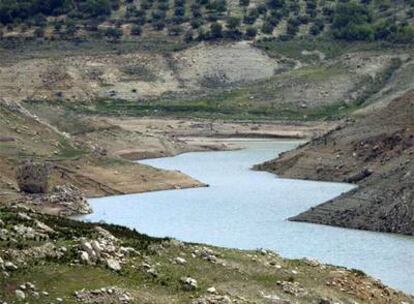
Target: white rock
{"x": 10, "y": 266}
{"x": 113, "y": 264}
{"x": 189, "y": 283}
{"x": 180, "y": 261}
{"x": 212, "y": 290}
{"x": 44, "y": 227}
{"x": 20, "y": 295}
{"x": 84, "y": 257}
{"x": 23, "y": 216}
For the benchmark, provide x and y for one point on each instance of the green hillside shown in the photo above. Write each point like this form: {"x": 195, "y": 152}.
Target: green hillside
{"x": 208, "y": 19}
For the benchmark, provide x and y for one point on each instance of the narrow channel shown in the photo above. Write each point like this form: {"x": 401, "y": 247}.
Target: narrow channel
{"x": 247, "y": 209}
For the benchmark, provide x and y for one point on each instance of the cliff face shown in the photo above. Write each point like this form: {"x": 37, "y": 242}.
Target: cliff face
{"x": 376, "y": 152}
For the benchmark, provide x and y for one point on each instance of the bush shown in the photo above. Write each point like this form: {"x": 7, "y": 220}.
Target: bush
{"x": 158, "y": 15}
{"x": 216, "y": 30}
{"x": 196, "y": 23}
{"x": 113, "y": 33}
{"x": 267, "y": 28}
{"x": 316, "y": 28}
{"x": 174, "y": 30}
{"x": 158, "y": 26}
{"x": 251, "y": 32}
{"x": 244, "y": 3}
{"x": 233, "y": 23}
{"x": 217, "y": 5}
{"x": 350, "y": 14}
{"x": 163, "y": 6}
{"x": 251, "y": 17}
{"x": 179, "y": 3}
{"x": 234, "y": 34}
{"x": 136, "y": 30}
{"x": 39, "y": 32}
{"x": 352, "y": 21}
{"x": 93, "y": 8}
{"x": 179, "y": 11}
{"x": 188, "y": 37}
{"x": 355, "y": 32}
{"x": 275, "y": 4}
{"x": 261, "y": 9}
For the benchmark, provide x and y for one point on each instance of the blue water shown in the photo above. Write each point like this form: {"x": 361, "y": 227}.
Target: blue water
{"x": 248, "y": 209}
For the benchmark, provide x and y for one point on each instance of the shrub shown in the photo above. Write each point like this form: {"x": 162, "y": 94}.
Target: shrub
{"x": 352, "y": 21}
{"x": 251, "y": 32}
{"x": 275, "y": 4}
{"x": 267, "y": 28}
{"x": 174, "y": 30}
{"x": 188, "y": 37}
{"x": 233, "y": 23}
{"x": 39, "y": 32}
{"x": 216, "y": 30}
{"x": 136, "y": 30}
{"x": 113, "y": 33}
{"x": 179, "y": 11}
{"x": 244, "y": 3}
{"x": 158, "y": 25}
{"x": 217, "y": 5}
{"x": 196, "y": 23}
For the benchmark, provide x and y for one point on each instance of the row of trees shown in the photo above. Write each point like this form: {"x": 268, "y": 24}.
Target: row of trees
{"x": 15, "y": 10}
{"x": 348, "y": 19}
{"x": 354, "y": 21}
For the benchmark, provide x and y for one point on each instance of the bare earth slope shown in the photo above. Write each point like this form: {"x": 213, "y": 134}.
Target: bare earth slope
{"x": 82, "y": 163}
{"x": 376, "y": 152}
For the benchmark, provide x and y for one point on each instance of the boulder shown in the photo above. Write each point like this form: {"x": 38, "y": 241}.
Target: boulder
{"x": 113, "y": 264}
{"x": 33, "y": 177}
{"x": 189, "y": 283}
{"x": 84, "y": 257}
{"x": 180, "y": 260}
{"x": 20, "y": 295}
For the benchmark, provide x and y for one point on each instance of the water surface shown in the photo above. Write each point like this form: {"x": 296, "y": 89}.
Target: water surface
{"x": 248, "y": 209}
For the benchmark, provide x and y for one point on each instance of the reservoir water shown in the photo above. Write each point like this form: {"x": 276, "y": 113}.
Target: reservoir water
{"x": 248, "y": 210}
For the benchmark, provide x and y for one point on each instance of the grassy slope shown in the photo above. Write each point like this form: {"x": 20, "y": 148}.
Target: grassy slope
{"x": 244, "y": 276}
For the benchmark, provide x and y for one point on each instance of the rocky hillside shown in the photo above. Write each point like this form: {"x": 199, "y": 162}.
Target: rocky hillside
{"x": 45, "y": 259}
{"x": 376, "y": 153}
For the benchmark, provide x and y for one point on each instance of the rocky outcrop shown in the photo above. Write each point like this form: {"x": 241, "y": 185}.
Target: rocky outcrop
{"x": 33, "y": 177}
{"x": 103, "y": 295}
{"x": 68, "y": 199}
{"x": 105, "y": 250}
{"x": 376, "y": 153}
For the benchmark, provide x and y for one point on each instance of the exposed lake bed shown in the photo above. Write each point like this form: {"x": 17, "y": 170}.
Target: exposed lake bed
{"x": 248, "y": 209}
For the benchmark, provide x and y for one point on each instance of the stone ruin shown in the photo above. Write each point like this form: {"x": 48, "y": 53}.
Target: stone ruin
{"x": 33, "y": 177}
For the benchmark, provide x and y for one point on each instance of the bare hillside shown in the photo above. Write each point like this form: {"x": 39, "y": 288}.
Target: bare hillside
{"x": 375, "y": 152}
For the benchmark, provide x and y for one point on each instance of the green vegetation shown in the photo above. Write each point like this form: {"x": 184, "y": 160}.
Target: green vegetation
{"x": 223, "y": 105}
{"x": 349, "y": 20}
{"x": 234, "y": 273}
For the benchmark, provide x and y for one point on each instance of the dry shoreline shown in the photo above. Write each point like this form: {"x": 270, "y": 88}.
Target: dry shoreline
{"x": 103, "y": 165}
